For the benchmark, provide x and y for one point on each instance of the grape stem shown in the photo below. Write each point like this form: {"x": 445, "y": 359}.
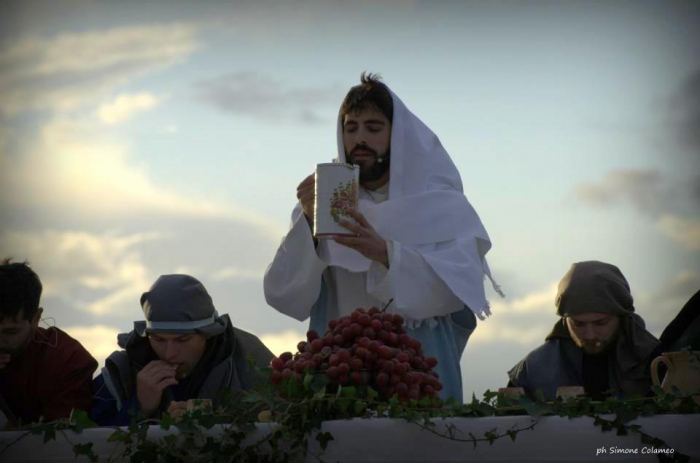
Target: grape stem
{"x": 387, "y": 305}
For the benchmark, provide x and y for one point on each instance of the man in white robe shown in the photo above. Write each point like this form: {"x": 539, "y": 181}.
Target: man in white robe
{"x": 417, "y": 239}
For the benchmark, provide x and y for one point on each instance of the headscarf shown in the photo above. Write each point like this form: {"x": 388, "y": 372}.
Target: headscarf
{"x": 594, "y": 286}
{"x": 426, "y": 206}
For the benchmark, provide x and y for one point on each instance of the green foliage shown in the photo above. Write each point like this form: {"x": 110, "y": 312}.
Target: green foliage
{"x": 298, "y": 410}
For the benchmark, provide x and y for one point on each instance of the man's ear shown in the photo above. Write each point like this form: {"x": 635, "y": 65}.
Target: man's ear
{"x": 37, "y": 318}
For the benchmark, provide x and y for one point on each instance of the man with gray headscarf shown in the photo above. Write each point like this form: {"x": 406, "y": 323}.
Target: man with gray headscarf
{"x": 418, "y": 242}
{"x": 183, "y": 350}
{"x": 600, "y": 343}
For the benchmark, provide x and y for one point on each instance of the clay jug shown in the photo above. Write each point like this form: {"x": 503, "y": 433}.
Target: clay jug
{"x": 683, "y": 372}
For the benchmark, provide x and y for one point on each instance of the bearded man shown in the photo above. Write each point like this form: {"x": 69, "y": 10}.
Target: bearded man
{"x": 599, "y": 343}
{"x": 418, "y": 242}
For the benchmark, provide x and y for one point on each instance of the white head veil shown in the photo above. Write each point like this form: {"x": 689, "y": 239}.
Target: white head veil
{"x": 426, "y": 206}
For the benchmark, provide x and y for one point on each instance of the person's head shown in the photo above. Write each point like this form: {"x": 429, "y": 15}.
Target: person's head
{"x": 20, "y": 292}
{"x": 181, "y": 350}
{"x": 366, "y": 116}
{"x": 180, "y": 319}
{"x": 593, "y": 332}
{"x": 593, "y": 299}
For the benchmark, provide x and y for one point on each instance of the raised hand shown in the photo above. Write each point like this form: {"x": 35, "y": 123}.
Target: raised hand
{"x": 151, "y": 381}
{"x": 366, "y": 240}
{"x": 306, "y": 196}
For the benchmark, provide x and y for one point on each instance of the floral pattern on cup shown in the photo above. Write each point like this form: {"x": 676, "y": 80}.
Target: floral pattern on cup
{"x": 344, "y": 198}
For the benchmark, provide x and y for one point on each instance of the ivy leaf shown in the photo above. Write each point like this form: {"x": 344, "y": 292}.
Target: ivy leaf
{"x": 117, "y": 436}
{"x": 307, "y": 380}
{"x": 360, "y": 407}
{"x": 166, "y": 421}
{"x": 349, "y": 391}
{"x": 371, "y": 394}
{"x": 488, "y": 395}
{"x": 324, "y": 438}
{"x": 50, "y": 434}
{"x": 658, "y": 390}
{"x": 80, "y": 420}
{"x": 83, "y": 449}
{"x": 512, "y": 433}
{"x": 534, "y": 408}
{"x": 319, "y": 395}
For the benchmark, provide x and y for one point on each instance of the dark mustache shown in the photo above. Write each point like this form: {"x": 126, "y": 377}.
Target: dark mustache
{"x": 363, "y": 148}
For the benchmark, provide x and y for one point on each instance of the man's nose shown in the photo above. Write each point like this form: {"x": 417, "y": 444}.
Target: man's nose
{"x": 588, "y": 333}
{"x": 171, "y": 352}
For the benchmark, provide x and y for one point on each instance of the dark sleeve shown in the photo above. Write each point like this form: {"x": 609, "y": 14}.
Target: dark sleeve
{"x": 104, "y": 407}
{"x": 517, "y": 376}
{"x": 73, "y": 384}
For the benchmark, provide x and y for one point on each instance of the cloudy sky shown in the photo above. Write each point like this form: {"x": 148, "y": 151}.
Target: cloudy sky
{"x": 146, "y": 138}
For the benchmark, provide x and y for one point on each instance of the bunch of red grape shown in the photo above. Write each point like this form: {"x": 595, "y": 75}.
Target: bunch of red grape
{"x": 368, "y": 347}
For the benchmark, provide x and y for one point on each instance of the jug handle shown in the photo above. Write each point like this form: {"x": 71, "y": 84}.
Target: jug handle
{"x": 655, "y": 368}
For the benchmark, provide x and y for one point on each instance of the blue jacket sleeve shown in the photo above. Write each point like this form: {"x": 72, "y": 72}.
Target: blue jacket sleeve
{"x": 105, "y": 410}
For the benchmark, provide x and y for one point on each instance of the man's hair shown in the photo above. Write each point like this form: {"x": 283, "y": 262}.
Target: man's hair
{"x": 20, "y": 290}
{"x": 371, "y": 93}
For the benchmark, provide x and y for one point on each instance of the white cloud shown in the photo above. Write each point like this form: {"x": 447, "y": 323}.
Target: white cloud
{"x": 685, "y": 232}
{"x": 495, "y": 331}
{"x": 262, "y": 96}
{"x": 238, "y": 273}
{"x": 541, "y": 302}
{"x": 282, "y": 342}
{"x": 124, "y": 105}
{"x": 99, "y": 340}
{"x": 171, "y": 129}
{"x": 71, "y": 262}
{"x": 62, "y": 73}
{"x": 75, "y": 167}
{"x": 641, "y": 187}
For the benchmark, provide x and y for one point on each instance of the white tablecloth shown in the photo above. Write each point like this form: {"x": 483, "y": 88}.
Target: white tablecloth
{"x": 391, "y": 440}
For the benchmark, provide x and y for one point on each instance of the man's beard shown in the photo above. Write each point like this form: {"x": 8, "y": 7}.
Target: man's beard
{"x": 377, "y": 169}
{"x": 592, "y": 348}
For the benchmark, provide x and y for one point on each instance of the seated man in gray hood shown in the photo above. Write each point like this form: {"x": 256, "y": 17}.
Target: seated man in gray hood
{"x": 183, "y": 350}
{"x": 599, "y": 343}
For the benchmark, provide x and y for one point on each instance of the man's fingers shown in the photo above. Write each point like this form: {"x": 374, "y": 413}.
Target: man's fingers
{"x": 306, "y": 192}
{"x": 155, "y": 365}
{"x": 310, "y": 180}
{"x": 165, "y": 383}
{"x": 359, "y": 217}
{"x": 352, "y": 226}
{"x": 161, "y": 375}
{"x": 348, "y": 240}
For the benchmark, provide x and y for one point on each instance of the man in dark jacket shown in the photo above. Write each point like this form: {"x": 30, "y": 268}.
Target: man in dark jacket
{"x": 599, "y": 343}
{"x": 44, "y": 373}
{"x": 183, "y": 350}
